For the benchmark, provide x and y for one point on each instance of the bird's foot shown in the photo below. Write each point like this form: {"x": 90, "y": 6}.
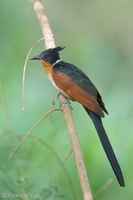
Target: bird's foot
{"x": 66, "y": 102}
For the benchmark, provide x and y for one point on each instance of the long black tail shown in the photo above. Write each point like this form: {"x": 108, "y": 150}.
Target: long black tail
{"x": 106, "y": 145}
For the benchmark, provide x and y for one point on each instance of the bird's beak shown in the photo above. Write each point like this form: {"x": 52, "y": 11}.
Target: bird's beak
{"x": 35, "y": 58}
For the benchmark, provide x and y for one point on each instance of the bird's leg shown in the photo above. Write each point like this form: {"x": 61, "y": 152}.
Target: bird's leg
{"x": 59, "y": 94}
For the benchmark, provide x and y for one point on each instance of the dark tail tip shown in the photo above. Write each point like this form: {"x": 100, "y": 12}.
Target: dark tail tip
{"x": 107, "y": 146}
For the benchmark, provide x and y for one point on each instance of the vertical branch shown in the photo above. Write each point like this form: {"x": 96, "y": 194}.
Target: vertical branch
{"x": 73, "y": 135}
{"x": 44, "y": 23}
{"x": 49, "y": 42}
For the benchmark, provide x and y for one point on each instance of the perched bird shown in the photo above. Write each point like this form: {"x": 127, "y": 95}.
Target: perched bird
{"x": 76, "y": 86}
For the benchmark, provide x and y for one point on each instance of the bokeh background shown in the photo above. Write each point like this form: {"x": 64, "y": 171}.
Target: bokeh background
{"x": 98, "y": 36}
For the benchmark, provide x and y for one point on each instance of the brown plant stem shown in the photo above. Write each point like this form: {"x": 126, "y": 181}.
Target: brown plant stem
{"x": 49, "y": 43}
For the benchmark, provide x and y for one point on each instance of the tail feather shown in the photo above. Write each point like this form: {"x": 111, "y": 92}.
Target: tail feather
{"x": 107, "y": 146}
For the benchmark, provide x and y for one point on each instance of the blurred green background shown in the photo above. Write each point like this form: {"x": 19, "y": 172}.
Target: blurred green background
{"x": 99, "y": 40}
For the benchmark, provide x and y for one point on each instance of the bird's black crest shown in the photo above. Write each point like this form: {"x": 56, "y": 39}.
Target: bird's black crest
{"x": 52, "y": 52}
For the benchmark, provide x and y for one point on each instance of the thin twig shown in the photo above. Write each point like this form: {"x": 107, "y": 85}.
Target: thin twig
{"x": 24, "y": 72}
{"x": 67, "y": 156}
{"x": 23, "y": 139}
{"x": 104, "y": 187}
{"x": 49, "y": 42}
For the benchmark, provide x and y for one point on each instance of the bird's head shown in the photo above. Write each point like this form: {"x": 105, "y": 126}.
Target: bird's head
{"x": 50, "y": 55}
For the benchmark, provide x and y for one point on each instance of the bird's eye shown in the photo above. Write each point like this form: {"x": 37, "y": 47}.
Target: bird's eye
{"x": 45, "y": 57}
